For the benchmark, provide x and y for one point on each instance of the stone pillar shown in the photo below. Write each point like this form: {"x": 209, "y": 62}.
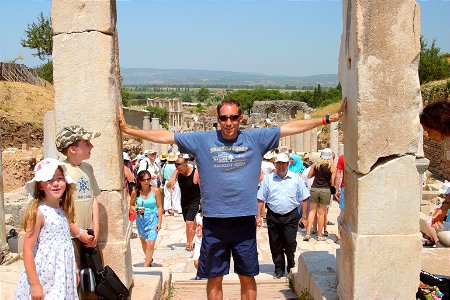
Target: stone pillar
{"x": 380, "y": 254}
{"x": 288, "y": 142}
{"x": 146, "y": 125}
{"x": 301, "y": 144}
{"x": 307, "y": 136}
{"x": 155, "y": 126}
{"x": 3, "y": 244}
{"x": 313, "y": 140}
{"x": 50, "y": 135}
{"x": 87, "y": 93}
{"x": 334, "y": 139}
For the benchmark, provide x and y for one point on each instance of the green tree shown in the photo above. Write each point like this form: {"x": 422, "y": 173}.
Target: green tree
{"x": 161, "y": 113}
{"x": 202, "y": 94}
{"x": 39, "y": 37}
{"x": 45, "y": 71}
{"x": 186, "y": 97}
{"x": 433, "y": 64}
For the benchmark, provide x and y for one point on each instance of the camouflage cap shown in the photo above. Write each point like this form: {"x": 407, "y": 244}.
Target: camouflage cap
{"x": 70, "y": 134}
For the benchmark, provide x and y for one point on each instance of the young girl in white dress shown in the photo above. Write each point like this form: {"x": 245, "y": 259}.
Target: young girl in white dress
{"x": 50, "y": 269}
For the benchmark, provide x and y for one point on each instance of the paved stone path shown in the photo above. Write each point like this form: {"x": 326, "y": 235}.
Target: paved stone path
{"x": 170, "y": 255}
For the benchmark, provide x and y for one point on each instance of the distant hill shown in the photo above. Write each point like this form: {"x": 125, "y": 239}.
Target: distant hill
{"x": 210, "y": 78}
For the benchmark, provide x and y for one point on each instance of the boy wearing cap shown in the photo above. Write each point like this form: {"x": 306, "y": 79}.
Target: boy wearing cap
{"x": 74, "y": 143}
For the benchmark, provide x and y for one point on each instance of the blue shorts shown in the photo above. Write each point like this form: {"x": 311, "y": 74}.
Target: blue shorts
{"x": 223, "y": 237}
{"x": 341, "y": 199}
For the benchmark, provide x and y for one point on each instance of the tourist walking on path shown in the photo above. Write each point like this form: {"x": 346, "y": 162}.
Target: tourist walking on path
{"x": 149, "y": 164}
{"x": 324, "y": 173}
{"x": 296, "y": 164}
{"x": 146, "y": 200}
{"x": 283, "y": 191}
{"x": 339, "y": 185}
{"x": 50, "y": 270}
{"x": 229, "y": 164}
{"x": 172, "y": 195}
{"x": 187, "y": 178}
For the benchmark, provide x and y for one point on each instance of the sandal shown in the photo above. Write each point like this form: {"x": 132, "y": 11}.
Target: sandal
{"x": 189, "y": 248}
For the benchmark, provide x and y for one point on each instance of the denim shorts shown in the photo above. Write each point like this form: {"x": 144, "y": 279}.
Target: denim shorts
{"x": 223, "y": 237}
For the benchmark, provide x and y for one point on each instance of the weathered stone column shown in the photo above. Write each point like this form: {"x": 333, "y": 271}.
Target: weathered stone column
{"x": 313, "y": 140}
{"x": 87, "y": 92}
{"x": 3, "y": 244}
{"x": 155, "y": 126}
{"x": 334, "y": 138}
{"x": 288, "y": 142}
{"x": 146, "y": 125}
{"x": 380, "y": 241}
{"x": 301, "y": 144}
{"x": 307, "y": 136}
{"x": 50, "y": 135}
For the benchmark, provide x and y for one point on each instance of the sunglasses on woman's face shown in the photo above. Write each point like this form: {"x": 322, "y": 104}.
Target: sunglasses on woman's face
{"x": 233, "y": 118}
{"x": 145, "y": 179}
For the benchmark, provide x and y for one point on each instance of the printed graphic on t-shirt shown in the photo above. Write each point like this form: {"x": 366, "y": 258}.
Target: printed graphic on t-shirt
{"x": 229, "y": 160}
{"x": 83, "y": 188}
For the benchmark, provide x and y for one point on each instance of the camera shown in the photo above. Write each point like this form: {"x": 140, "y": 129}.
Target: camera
{"x": 140, "y": 210}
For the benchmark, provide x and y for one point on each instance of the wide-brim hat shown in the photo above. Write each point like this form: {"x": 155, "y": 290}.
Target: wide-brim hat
{"x": 70, "y": 134}
{"x": 268, "y": 155}
{"x": 164, "y": 155}
{"x": 326, "y": 154}
{"x": 44, "y": 171}
{"x": 172, "y": 157}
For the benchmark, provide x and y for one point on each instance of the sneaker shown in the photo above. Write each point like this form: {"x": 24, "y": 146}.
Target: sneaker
{"x": 306, "y": 237}
{"x": 325, "y": 233}
{"x": 313, "y": 232}
{"x": 278, "y": 275}
{"x": 176, "y": 214}
{"x": 198, "y": 278}
{"x": 321, "y": 238}
{"x": 166, "y": 214}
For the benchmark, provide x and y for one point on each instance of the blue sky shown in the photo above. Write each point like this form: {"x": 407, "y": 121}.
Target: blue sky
{"x": 275, "y": 37}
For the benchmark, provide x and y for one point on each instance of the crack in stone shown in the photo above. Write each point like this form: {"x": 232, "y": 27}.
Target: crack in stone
{"x": 85, "y": 31}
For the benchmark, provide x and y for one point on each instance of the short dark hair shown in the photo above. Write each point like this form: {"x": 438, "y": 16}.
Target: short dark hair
{"x": 229, "y": 102}
{"x": 74, "y": 144}
{"x": 436, "y": 115}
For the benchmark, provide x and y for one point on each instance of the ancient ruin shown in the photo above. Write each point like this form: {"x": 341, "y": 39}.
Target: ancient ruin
{"x": 380, "y": 250}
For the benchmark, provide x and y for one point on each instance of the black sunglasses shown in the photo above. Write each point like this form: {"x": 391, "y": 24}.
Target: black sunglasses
{"x": 224, "y": 118}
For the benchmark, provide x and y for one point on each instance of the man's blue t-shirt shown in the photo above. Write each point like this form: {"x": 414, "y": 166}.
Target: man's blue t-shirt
{"x": 229, "y": 169}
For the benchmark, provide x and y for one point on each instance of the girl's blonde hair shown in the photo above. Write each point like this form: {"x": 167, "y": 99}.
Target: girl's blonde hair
{"x": 321, "y": 161}
{"x": 29, "y": 218}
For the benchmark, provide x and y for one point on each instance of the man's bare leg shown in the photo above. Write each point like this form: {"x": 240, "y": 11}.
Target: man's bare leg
{"x": 248, "y": 287}
{"x": 214, "y": 288}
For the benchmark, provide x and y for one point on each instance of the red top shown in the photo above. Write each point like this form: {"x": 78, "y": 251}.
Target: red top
{"x": 340, "y": 166}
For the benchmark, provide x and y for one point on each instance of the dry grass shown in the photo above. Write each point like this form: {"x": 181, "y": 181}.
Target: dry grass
{"x": 25, "y": 103}
{"x": 318, "y": 113}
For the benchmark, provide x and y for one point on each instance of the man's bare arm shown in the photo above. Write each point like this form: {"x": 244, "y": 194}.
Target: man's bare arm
{"x": 156, "y": 136}
{"x": 299, "y": 126}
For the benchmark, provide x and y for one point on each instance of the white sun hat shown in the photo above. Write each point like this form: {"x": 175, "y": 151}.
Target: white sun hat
{"x": 268, "y": 155}
{"x": 44, "y": 171}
